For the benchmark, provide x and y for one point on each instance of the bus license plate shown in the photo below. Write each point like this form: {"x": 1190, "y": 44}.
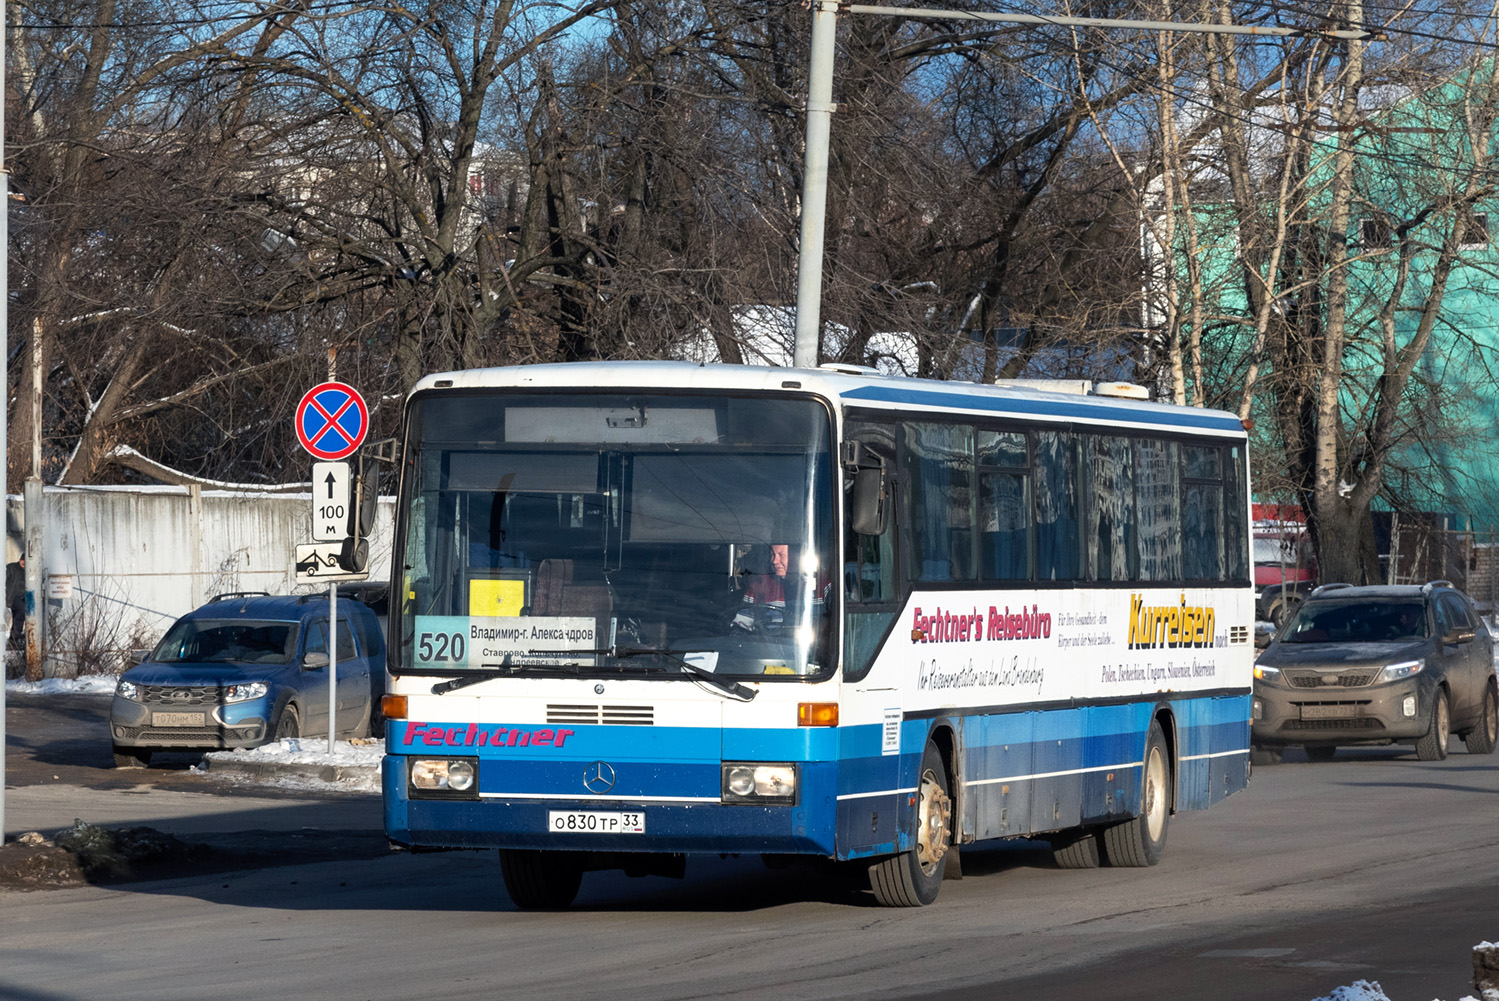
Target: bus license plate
{"x": 594, "y": 822}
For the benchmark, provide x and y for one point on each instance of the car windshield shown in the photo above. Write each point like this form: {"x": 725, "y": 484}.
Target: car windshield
{"x": 239, "y": 641}
{"x": 1357, "y": 622}
{"x": 616, "y": 534}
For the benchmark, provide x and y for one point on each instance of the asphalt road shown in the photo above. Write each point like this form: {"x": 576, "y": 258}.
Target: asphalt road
{"x": 1373, "y": 866}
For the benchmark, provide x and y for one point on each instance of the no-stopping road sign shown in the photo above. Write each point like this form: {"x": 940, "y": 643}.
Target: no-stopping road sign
{"x": 332, "y": 421}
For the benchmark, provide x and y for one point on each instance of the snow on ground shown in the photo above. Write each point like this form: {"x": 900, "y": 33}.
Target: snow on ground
{"x": 92, "y": 684}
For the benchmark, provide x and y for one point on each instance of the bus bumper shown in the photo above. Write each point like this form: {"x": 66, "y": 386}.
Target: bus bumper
{"x": 701, "y": 826}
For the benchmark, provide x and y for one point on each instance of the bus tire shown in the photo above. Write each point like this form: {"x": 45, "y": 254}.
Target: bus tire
{"x": 912, "y": 878}
{"x": 1141, "y": 840}
{"x": 1076, "y": 849}
{"x": 540, "y": 881}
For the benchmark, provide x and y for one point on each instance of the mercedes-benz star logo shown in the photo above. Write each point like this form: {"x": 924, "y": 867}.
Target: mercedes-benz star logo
{"x": 598, "y": 777}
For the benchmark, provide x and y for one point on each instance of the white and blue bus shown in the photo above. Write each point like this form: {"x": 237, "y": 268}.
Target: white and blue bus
{"x": 647, "y": 610}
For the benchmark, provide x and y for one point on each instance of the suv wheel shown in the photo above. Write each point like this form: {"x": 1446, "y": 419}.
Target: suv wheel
{"x": 1433, "y": 744}
{"x": 1481, "y": 739}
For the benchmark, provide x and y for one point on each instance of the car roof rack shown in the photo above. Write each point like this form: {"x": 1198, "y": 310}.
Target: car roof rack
{"x": 1438, "y": 583}
{"x": 230, "y": 595}
{"x": 1329, "y": 587}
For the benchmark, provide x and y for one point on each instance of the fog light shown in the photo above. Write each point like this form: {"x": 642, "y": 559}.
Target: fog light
{"x": 1259, "y": 710}
{"x": 759, "y": 784}
{"x": 1408, "y": 707}
{"x": 443, "y": 776}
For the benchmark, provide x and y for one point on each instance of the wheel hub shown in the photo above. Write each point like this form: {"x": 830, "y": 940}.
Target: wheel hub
{"x": 932, "y": 829}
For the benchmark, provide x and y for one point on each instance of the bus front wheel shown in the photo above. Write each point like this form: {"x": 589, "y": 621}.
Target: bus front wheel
{"x": 912, "y": 878}
{"x": 1141, "y": 840}
{"x": 541, "y": 881}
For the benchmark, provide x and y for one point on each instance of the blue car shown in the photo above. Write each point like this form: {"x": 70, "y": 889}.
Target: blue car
{"x": 246, "y": 670}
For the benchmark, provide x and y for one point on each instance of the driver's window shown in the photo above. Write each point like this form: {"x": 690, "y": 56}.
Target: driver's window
{"x": 317, "y": 638}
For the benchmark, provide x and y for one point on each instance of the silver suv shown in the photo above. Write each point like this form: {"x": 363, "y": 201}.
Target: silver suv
{"x": 1377, "y": 665}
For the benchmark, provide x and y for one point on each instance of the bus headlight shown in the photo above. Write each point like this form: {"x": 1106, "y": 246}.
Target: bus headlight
{"x": 455, "y": 777}
{"x": 764, "y": 785}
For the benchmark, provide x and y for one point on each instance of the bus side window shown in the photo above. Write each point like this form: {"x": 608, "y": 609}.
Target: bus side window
{"x": 939, "y": 461}
{"x": 1058, "y": 541}
{"x": 1110, "y": 532}
{"x": 869, "y": 560}
{"x": 1158, "y": 508}
{"x": 1202, "y": 512}
{"x": 1004, "y": 506}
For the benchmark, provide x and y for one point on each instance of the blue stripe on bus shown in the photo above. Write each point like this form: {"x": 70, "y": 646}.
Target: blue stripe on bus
{"x": 1091, "y": 410}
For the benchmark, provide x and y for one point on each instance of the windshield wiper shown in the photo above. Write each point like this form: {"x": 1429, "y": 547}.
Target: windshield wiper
{"x": 508, "y": 670}
{"x": 731, "y": 688}
{"x": 743, "y": 693}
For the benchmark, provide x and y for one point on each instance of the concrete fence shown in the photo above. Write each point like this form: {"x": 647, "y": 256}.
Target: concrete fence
{"x": 120, "y": 564}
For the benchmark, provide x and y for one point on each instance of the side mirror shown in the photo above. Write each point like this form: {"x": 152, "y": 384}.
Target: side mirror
{"x": 868, "y": 508}
{"x": 314, "y": 661}
{"x": 139, "y": 656}
{"x": 868, "y": 497}
{"x": 1457, "y": 637}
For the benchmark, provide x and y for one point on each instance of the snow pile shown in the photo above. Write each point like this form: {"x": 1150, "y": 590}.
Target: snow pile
{"x": 89, "y": 684}
{"x": 1360, "y": 990}
{"x": 308, "y": 751}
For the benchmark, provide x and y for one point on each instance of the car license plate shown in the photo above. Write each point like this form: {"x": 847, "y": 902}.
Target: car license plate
{"x": 1329, "y": 712}
{"x": 176, "y": 719}
{"x": 594, "y": 822}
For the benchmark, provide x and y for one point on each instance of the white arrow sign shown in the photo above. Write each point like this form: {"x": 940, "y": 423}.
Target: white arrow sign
{"x": 330, "y": 501}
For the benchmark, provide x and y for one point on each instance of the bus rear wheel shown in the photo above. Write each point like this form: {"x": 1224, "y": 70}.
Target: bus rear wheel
{"x": 541, "y": 881}
{"x": 912, "y": 878}
{"x": 1141, "y": 840}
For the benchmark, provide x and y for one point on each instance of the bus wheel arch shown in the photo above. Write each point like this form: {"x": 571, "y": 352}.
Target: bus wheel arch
{"x": 1166, "y": 720}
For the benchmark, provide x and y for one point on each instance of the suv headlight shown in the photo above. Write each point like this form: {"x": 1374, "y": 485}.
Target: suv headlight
{"x": 128, "y": 690}
{"x": 757, "y": 784}
{"x": 1404, "y": 669}
{"x": 1264, "y": 672}
{"x": 246, "y": 692}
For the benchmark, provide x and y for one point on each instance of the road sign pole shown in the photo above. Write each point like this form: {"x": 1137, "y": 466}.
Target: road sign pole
{"x": 332, "y": 659}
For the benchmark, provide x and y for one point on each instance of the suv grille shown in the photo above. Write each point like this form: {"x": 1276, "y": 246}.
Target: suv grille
{"x": 607, "y": 715}
{"x": 1349, "y": 679}
{"x": 173, "y": 695}
{"x": 1354, "y": 723}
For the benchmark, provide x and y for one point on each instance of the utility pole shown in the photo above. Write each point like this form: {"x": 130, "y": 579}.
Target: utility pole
{"x": 820, "y": 108}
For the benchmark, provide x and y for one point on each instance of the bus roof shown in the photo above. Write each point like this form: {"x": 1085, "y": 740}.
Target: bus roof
{"x": 844, "y": 389}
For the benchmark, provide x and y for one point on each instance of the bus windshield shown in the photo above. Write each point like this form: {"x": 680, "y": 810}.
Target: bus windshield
{"x": 635, "y": 534}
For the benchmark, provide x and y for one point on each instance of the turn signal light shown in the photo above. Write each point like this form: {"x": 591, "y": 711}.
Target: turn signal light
{"x": 393, "y": 706}
{"x": 817, "y": 714}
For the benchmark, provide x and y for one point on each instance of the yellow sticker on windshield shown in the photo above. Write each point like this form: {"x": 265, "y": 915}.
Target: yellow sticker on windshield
{"x": 496, "y": 597}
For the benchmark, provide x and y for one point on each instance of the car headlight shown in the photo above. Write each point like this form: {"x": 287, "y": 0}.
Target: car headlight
{"x": 445, "y": 776}
{"x": 1264, "y": 672}
{"x": 1404, "y": 669}
{"x": 128, "y": 690}
{"x": 246, "y": 692}
{"x": 766, "y": 785}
